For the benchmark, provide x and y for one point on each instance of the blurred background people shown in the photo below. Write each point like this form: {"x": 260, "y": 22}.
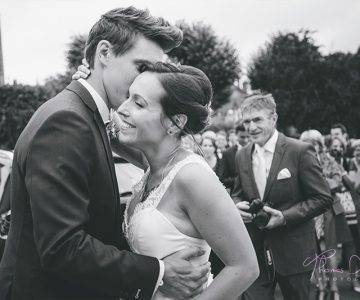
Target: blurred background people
{"x": 337, "y": 150}
{"x": 331, "y": 227}
{"x": 227, "y": 163}
{"x": 232, "y": 138}
{"x": 187, "y": 142}
{"x": 209, "y": 150}
{"x": 354, "y": 165}
{"x": 198, "y": 138}
{"x": 221, "y": 142}
{"x": 339, "y": 131}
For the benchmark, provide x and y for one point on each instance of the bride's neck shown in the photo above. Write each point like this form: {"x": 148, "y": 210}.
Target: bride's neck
{"x": 160, "y": 156}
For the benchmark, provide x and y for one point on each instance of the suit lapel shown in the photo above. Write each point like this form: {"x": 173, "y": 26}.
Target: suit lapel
{"x": 275, "y": 165}
{"x": 85, "y": 96}
{"x": 109, "y": 157}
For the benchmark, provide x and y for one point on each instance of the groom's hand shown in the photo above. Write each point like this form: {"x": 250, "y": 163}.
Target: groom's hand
{"x": 183, "y": 280}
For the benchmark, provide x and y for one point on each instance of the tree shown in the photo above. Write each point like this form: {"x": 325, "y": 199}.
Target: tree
{"x": 311, "y": 90}
{"x": 18, "y": 103}
{"x": 201, "y": 48}
{"x": 55, "y": 84}
{"x": 215, "y": 56}
{"x": 76, "y": 51}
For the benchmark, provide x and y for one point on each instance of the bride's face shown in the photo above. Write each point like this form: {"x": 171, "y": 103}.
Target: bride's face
{"x": 141, "y": 114}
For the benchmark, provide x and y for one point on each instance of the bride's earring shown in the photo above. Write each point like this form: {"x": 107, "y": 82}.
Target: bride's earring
{"x": 169, "y": 132}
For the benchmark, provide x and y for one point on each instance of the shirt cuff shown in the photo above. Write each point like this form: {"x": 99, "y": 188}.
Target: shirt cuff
{"x": 161, "y": 275}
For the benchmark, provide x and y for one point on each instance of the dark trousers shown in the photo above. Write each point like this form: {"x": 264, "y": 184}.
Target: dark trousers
{"x": 293, "y": 287}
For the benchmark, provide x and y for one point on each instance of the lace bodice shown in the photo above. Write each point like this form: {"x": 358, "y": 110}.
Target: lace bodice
{"x": 149, "y": 232}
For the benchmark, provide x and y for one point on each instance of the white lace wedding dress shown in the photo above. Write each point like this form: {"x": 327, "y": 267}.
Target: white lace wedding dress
{"x": 150, "y": 232}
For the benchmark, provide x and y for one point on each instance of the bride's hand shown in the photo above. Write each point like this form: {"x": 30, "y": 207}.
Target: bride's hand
{"x": 83, "y": 70}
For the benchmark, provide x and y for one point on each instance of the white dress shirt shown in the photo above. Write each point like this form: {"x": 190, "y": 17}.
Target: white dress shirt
{"x": 105, "y": 115}
{"x": 268, "y": 152}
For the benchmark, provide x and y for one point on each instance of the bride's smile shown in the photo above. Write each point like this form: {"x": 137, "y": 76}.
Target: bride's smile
{"x": 141, "y": 115}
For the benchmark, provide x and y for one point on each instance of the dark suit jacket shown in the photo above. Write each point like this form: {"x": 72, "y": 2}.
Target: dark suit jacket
{"x": 65, "y": 231}
{"x": 300, "y": 198}
{"x": 226, "y": 170}
{"x": 5, "y": 198}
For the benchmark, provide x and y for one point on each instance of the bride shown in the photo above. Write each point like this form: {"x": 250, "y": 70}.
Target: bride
{"x": 179, "y": 202}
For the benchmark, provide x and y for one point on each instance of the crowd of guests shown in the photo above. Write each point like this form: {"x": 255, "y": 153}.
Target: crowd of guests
{"x": 337, "y": 230}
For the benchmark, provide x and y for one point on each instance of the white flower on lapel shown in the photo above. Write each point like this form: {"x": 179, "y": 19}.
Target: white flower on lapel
{"x": 283, "y": 174}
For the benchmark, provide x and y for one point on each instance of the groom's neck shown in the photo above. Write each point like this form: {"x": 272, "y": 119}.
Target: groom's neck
{"x": 96, "y": 82}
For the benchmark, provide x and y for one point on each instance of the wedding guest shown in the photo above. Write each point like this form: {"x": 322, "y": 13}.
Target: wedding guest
{"x": 221, "y": 142}
{"x": 285, "y": 176}
{"x": 198, "y": 138}
{"x": 226, "y": 168}
{"x": 187, "y": 143}
{"x": 209, "y": 150}
{"x": 354, "y": 164}
{"x": 351, "y": 181}
{"x": 208, "y": 134}
{"x": 232, "y": 138}
{"x": 339, "y": 130}
{"x": 337, "y": 150}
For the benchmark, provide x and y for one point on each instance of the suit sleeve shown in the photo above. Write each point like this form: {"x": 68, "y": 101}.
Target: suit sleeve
{"x": 58, "y": 167}
{"x": 223, "y": 173}
{"x": 316, "y": 192}
{"x": 237, "y": 193}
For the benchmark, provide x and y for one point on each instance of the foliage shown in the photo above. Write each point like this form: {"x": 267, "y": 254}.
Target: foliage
{"x": 18, "y": 103}
{"x": 55, "y": 84}
{"x": 76, "y": 51}
{"x": 311, "y": 90}
{"x": 216, "y": 57}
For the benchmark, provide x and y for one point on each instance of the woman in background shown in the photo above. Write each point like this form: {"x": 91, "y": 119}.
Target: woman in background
{"x": 209, "y": 150}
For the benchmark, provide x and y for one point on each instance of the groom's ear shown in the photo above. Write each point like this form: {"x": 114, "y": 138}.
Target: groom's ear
{"x": 103, "y": 51}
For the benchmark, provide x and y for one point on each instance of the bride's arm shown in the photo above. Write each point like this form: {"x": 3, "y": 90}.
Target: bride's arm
{"x": 215, "y": 216}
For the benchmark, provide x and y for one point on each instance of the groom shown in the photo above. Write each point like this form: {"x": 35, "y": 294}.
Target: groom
{"x": 65, "y": 233}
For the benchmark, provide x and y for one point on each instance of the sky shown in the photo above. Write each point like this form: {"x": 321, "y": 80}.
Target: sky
{"x": 35, "y": 33}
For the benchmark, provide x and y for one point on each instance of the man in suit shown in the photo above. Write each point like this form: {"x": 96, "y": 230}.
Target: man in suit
{"x": 65, "y": 236}
{"x": 227, "y": 170}
{"x": 285, "y": 174}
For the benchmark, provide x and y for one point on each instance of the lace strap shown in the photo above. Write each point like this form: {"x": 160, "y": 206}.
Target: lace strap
{"x": 164, "y": 185}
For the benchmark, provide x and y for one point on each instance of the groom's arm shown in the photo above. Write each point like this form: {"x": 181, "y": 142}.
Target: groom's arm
{"x": 58, "y": 167}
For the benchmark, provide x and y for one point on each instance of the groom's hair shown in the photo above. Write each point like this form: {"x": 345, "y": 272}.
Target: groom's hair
{"x": 121, "y": 26}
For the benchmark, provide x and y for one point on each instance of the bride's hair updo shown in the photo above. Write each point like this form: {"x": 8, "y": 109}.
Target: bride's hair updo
{"x": 188, "y": 91}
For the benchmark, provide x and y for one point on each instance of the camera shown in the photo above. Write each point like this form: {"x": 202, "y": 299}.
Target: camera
{"x": 260, "y": 217}
{"x": 4, "y": 225}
